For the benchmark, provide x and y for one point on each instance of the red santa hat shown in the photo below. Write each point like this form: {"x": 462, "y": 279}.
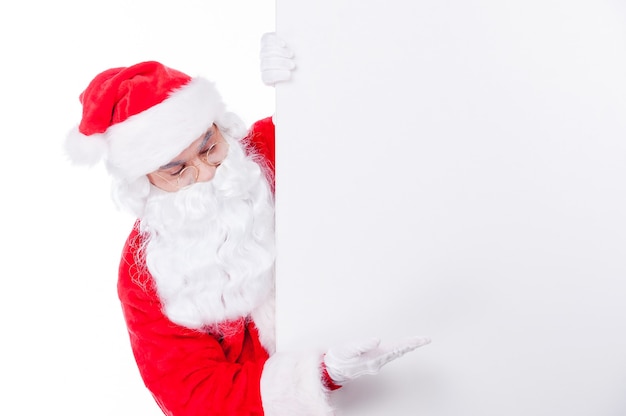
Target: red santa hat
{"x": 140, "y": 117}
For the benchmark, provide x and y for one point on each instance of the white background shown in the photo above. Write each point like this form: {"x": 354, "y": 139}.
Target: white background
{"x": 64, "y": 344}
{"x": 456, "y": 169}
{"x": 453, "y": 169}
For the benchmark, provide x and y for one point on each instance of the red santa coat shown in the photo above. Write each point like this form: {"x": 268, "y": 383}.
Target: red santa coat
{"x": 193, "y": 373}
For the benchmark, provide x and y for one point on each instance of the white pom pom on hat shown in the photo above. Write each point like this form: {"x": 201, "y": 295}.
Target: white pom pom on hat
{"x": 85, "y": 150}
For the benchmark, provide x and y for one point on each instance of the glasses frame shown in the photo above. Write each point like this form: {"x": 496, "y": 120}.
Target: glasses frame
{"x": 204, "y": 159}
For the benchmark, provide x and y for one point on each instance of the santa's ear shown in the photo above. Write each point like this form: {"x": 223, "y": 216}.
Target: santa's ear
{"x": 232, "y": 125}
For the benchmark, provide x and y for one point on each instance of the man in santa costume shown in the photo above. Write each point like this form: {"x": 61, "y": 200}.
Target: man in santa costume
{"x": 196, "y": 278}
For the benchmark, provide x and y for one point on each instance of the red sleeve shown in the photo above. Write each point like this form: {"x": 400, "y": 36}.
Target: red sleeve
{"x": 327, "y": 379}
{"x": 260, "y": 144}
{"x": 188, "y": 372}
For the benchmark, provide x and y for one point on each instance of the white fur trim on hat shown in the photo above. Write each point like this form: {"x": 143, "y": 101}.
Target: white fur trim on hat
{"x": 150, "y": 139}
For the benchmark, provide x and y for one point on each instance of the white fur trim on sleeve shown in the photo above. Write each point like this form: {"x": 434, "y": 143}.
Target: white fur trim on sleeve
{"x": 291, "y": 385}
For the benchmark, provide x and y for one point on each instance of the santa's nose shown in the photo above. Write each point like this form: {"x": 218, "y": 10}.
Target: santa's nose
{"x": 205, "y": 172}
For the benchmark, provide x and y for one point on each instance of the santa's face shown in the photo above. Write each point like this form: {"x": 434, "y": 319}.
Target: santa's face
{"x": 210, "y": 246}
{"x": 197, "y": 163}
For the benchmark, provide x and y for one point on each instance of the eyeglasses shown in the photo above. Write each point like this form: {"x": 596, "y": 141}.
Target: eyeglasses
{"x": 213, "y": 156}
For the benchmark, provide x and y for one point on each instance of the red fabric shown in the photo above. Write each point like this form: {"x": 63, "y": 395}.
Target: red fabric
{"x": 190, "y": 372}
{"x": 118, "y": 93}
{"x": 261, "y": 139}
{"x": 327, "y": 379}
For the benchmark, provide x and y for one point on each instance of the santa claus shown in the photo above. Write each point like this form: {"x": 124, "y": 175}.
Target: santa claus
{"x": 196, "y": 278}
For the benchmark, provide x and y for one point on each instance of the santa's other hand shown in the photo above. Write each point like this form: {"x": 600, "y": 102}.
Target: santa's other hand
{"x": 276, "y": 60}
{"x": 354, "y": 360}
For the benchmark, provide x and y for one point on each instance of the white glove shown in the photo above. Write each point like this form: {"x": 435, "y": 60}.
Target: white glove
{"x": 351, "y": 361}
{"x": 276, "y": 60}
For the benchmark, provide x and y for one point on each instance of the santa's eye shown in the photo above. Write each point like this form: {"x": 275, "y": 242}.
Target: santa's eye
{"x": 208, "y": 149}
{"x": 174, "y": 172}
{"x": 178, "y": 171}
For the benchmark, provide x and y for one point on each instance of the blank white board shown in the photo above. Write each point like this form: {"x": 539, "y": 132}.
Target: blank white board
{"x": 457, "y": 170}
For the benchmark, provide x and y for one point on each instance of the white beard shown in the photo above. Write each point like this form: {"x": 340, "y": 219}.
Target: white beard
{"x": 210, "y": 248}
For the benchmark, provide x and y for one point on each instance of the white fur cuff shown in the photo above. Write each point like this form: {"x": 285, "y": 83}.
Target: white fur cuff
{"x": 291, "y": 385}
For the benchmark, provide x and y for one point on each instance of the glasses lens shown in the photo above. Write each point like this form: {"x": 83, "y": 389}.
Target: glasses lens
{"x": 187, "y": 176}
{"x": 217, "y": 153}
